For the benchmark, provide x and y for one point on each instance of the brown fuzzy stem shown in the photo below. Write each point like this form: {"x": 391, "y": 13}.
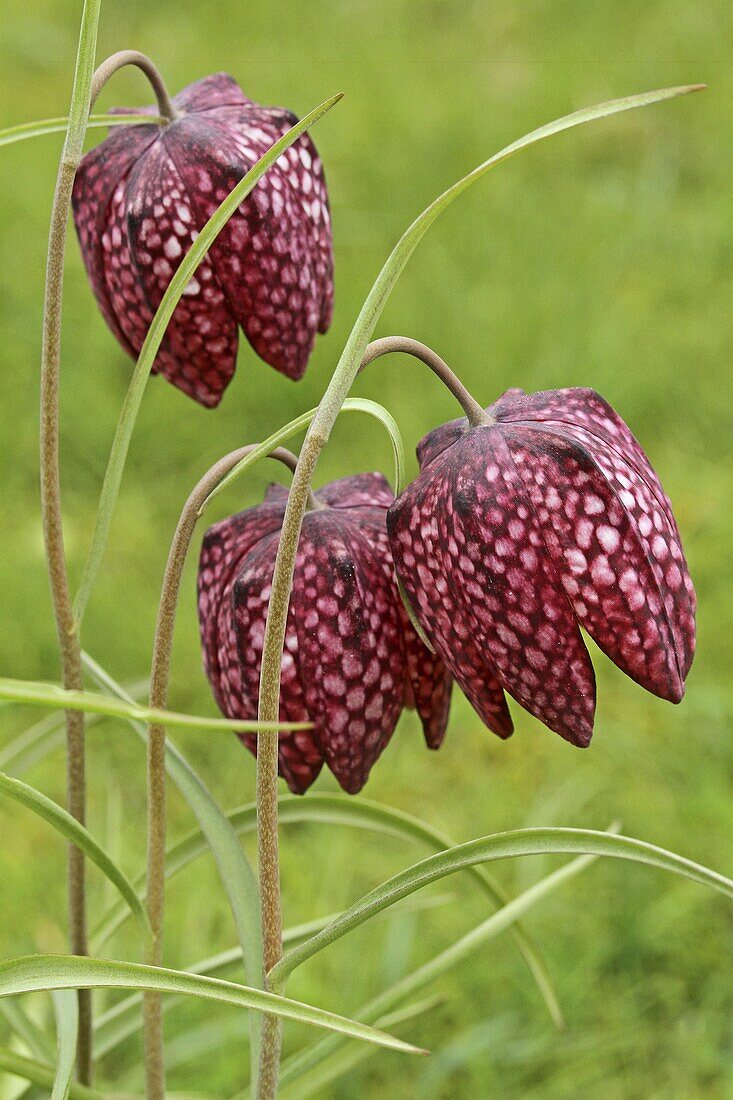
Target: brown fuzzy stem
{"x": 159, "y": 681}
{"x": 132, "y": 57}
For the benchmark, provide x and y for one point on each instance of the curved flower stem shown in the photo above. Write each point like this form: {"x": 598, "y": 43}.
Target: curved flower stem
{"x": 159, "y": 680}
{"x": 132, "y": 57}
{"x": 53, "y": 535}
{"x": 388, "y": 344}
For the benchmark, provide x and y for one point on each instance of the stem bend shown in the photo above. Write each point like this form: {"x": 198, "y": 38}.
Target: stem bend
{"x": 118, "y": 61}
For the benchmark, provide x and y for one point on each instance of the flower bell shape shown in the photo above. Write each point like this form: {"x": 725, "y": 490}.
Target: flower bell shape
{"x": 351, "y": 660}
{"x": 142, "y": 196}
{"x": 517, "y": 532}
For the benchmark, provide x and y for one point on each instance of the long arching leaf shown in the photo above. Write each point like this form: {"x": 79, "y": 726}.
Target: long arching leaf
{"x": 44, "y": 126}
{"x": 237, "y": 876}
{"x": 37, "y": 973}
{"x": 520, "y": 842}
{"x": 71, "y": 830}
{"x": 42, "y": 694}
{"x": 378, "y": 1008}
{"x": 358, "y": 813}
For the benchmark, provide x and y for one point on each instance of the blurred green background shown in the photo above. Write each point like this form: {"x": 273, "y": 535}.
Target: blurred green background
{"x": 602, "y": 258}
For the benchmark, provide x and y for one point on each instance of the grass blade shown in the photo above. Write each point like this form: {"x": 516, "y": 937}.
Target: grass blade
{"x": 38, "y": 693}
{"x": 43, "y": 126}
{"x": 237, "y": 876}
{"x": 413, "y": 983}
{"x": 66, "y": 1010}
{"x": 71, "y": 830}
{"x": 30, "y": 1070}
{"x": 36, "y": 973}
{"x": 520, "y": 842}
{"x": 27, "y": 1031}
{"x": 154, "y": 338}
{"x": 355, "y": 813}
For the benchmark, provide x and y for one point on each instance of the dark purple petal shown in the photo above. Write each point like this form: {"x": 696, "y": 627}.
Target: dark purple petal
{"x": 224, "y": 546}
{"x": 358, "y": 491}
{"x": 101, "y": 175}
{"x": 202, "y": 335}
{"x": 299, "y": 754}
{"x": 350, "y": 651}
{"x": 215, "y": 91}
{"x": 274, "y": 256}
{"x": 599, "y": 556}
{"x": 445, "y": 435}
{"x": 416, "y": 525}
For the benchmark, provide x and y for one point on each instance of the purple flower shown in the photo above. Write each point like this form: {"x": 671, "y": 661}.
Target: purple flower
{"x": 143, "y": 194}
{"x": 518, "y": 532}
{"x": 352, "y": 660}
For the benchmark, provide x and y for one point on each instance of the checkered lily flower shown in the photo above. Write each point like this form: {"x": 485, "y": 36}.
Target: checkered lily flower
{"x": 142, "y": 196}
{"x": 352, "y": 659}
{"x": 518, "y": 532}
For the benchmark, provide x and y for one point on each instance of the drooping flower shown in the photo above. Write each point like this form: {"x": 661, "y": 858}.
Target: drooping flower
{"x": 351, "y": 661}
{"x": 519, "y": 531}
{"x": 142, "y": 196}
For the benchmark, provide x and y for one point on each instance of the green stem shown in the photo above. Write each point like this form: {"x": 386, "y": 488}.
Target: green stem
{"x": 388, "y": 345}
{"x": 69, "y": 645}
{"x": 132, "y": 57}
{"x": 159, "y": 682}
{"x": 316, "y": 438}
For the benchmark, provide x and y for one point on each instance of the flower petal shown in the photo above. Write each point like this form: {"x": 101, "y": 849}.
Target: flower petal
{"x": 599, "y": 556}
{"x": 350, "y": 652}
{"x": 498, "y": 561}
{"x": 217, "y": 90}
{"x": 417, "y": 535}
{"x": 358, "y": 491}
{"x": 101, "y": 173}
{"x": 299, "y": 752}
{"x": 202, "y": 335}
{"x": 274, "y": 257}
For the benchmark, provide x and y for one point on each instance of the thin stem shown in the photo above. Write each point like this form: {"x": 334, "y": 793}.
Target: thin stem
{"x": 132, "y": 57}
{"x": 388, "y": 344}
{"x": 159, "y": 681}
{"x": 53, "y": 536}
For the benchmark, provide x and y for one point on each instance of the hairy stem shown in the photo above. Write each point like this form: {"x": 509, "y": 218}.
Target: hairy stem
{"x": 132, "y": 57}
{"x": 159, "y": 681}
{"x": 53, "y": 535}
{"x": 389, "y": 344}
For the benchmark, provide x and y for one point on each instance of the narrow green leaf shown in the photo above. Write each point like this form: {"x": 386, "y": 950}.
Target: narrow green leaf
{"x": 520, "y": 842}
{"x": 154, "y": 338}
{"x": 35, "y": 743}
{"x": 27, "y": 1031}
{"x": 282, "y": 435}
{"x": 35, "y": 973}
{"x": 358, "y": 813}
{"x": 351, "y": 357}
{"x": 43, "y": 694}
{"x": 30, "y": 1070}
{"x": 66, "y": 1010}
{"x": 237, "y": 876}
{"x": 303, "y": 1062}
{"x": 122, "y": 1020}
{"x": 71, "y": 830}
{"x": 44, "y": 126}
{"x": 346, "y": 1060}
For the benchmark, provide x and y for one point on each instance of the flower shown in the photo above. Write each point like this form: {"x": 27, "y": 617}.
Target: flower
{"x": 351, "y": 661}
{"x": 519, "y": 531}
{"x": 142, "y": 196}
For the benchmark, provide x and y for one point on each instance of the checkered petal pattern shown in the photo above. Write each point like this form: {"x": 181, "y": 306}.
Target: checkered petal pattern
{"x": 352, "y": 659}
{"x": 142, "y": 196}
{"x": 517, "y": 532}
